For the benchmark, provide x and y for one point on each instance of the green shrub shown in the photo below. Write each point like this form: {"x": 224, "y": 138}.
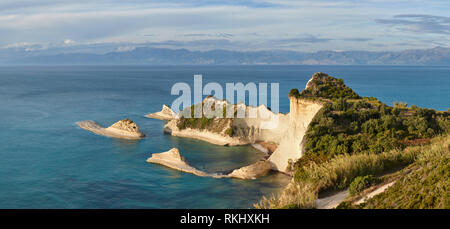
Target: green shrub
{"x": 346, "y": 205}
{"x": 294, "y": 93}
{"x": 229, "y": 132}
{"x": 362, "y": 182}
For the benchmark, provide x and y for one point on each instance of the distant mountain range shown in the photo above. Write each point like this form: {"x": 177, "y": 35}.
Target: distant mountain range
{"x": 164, "y": 56}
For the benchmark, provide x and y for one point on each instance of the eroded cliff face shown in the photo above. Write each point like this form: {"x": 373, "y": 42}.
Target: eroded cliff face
{"x": 264, "y": 126}
{"x": 290, "y": 147}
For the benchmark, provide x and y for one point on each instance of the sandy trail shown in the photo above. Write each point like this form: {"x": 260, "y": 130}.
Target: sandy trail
{"x": 334, "y": 200}
{"x": 375, "y": 192}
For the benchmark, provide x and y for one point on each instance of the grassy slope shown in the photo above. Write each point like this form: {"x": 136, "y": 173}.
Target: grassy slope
{"x": 424, "y": 181}
{"x": 425, "y": 184}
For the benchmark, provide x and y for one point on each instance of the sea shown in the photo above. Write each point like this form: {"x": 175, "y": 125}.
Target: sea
{"x": 47, "y": 161}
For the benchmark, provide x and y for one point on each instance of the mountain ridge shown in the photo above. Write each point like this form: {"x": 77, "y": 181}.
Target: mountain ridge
{"x": 438, "y": 56}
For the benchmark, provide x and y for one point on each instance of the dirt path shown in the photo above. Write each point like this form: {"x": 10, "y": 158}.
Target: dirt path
{"x": 374, "y": 193}
{"x": 331, "y": 201}
{"x": 334, "y": 200}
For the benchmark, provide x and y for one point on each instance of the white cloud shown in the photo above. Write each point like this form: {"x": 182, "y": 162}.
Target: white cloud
{"x": 190, "y": 21}
{"x": 125, "y": 48}
{"x": 68, "y": 42}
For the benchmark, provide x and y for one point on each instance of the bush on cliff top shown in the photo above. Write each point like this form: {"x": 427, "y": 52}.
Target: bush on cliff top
{"x": 325, "y": 86}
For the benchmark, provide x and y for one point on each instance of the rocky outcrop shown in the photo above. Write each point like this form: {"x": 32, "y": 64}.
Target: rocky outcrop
{"x": 252, "y": 171}
{"x": 266, "y": 126}
{"x": 125, "y": 129}
{"x": 174, "y": 160}
{"x": 217, "y": 138}
{"x": 165, "y": 114}
{"x": 285, "y": 132}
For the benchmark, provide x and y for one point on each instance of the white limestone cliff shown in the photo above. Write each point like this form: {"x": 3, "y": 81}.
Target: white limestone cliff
{"x": 290, "y": 147}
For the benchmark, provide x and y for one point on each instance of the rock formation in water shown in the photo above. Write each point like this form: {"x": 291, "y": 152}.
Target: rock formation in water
{"x": 125, "y": 129}
{"x": 252, "y": 171}
{"x": 165, "y": 114}
{"x": 174, "y": 160}
{"x": 285, "y": 131}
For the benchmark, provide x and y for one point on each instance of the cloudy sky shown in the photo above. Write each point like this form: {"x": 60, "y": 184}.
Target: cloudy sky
{"x": 300, "y": 25}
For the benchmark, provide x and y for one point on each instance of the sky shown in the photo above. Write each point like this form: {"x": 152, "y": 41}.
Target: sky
{"x": 297, "y": 25}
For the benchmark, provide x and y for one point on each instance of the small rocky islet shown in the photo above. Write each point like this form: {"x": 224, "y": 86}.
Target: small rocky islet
{"x": 124, "y": 129}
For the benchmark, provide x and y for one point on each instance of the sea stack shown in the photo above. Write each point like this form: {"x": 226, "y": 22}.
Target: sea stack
{"x": 174, "y": 160}
{"x": 165, "y": 114}
{"x": 125, "y": 129}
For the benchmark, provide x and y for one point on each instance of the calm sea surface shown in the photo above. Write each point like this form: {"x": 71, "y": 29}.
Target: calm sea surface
{"x": 48, "y": 162}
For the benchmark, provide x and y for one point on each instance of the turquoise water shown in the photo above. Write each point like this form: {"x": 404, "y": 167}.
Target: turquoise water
{"x": 48, "y": 162}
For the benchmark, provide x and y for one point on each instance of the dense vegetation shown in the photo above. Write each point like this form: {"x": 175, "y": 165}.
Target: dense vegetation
{"x": 349, "y": 126}
{"x": 213, "y": 124}
{"x": 362, "y": 182}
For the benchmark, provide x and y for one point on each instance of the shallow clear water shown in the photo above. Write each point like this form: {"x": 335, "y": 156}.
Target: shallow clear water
{"x": 48, "y": 162}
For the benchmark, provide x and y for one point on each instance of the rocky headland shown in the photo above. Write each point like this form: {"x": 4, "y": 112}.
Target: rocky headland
{"x": 279, "y": 135}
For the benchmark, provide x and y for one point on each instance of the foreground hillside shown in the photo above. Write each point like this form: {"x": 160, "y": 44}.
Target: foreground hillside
{"x": 353, "y": 141}
{"x": 424, "y": 184}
